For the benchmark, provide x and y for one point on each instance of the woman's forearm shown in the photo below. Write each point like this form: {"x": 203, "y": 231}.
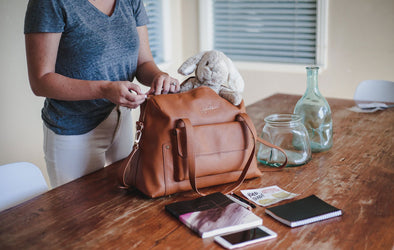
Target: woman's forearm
{"x": 56, "y": 86}
{"x": 41, "y": 52}
{"x": 147, "y": 72}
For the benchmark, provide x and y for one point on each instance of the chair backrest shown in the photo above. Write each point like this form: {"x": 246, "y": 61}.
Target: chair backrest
{"x": 19, "y": 182}
{"x": 375, "y": 90}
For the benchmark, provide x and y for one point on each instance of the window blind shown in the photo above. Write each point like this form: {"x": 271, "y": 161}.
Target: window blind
{"x": 155, "y": 28}
{"x": 281, "y": 31}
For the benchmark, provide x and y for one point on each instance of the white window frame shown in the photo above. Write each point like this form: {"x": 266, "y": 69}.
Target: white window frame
{"x": 166, "y": 34}
{"x": 206, "y": 40}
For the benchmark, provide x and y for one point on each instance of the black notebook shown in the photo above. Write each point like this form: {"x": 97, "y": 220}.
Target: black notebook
{"x": 213, "y": 214}
{"x": 303, "y": 211}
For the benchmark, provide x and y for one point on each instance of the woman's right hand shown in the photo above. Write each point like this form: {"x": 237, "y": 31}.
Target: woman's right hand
{"x": 123, "y": 93}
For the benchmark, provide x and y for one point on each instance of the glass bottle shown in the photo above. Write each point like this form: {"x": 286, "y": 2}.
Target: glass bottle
{"x": 315, "y": 113}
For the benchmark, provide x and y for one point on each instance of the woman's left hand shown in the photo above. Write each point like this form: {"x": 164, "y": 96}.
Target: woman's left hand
{"x": 163, "y": 84}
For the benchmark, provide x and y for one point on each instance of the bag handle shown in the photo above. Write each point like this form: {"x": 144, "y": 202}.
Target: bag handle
{"x": 191, "y": 161}
{"x": 250, "y": 125}
{"x": 126, "y": 164}
{"x": 190, "y": 154}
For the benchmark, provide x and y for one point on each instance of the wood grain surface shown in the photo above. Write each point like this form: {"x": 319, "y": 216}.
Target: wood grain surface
{"x": 356, "y": 175}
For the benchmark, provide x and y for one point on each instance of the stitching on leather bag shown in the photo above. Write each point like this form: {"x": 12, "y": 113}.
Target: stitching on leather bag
{"x": 166, "y": 149}
{"x": 178, "y": 159}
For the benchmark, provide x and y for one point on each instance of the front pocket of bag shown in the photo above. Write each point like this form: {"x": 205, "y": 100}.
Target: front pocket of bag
{"x": 218, "y": 148}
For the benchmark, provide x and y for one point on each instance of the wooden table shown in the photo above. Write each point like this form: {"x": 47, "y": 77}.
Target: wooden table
{"x": 356, "y": 175}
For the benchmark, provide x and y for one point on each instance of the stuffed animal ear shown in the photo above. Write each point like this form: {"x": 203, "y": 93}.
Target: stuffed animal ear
{"x": 235, "y": 80}
{"x": 190, "y": 65}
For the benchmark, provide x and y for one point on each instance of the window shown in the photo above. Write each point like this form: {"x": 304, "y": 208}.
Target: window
{"x": 265, "y": 31}
{"x": 155, "y": 28}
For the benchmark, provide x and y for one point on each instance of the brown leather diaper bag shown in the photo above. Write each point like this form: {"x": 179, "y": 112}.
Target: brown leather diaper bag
{"x": 188, "y": 141}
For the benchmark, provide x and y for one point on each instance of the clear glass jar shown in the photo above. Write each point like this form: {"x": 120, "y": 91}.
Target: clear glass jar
{"x": 287, "y": 132}
{"x": 315, "y": 113}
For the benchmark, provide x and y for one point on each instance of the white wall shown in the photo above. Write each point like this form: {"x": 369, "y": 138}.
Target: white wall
{"x": 20, "y": 126}
{"x": 360, "y": 46}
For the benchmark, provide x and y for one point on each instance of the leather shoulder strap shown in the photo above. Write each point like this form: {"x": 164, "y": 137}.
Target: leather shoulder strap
{"x": 191, "y": 163}
{"x": 126, "y": 163}
{"x": 249, "y": 123}
{"x": 125, "y": 168}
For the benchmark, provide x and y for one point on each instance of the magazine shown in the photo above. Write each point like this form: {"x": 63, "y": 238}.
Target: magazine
{"x": 268, "y": 195}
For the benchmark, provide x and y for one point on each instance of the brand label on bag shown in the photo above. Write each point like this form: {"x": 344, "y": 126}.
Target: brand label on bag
{"x": 209, "y": 108}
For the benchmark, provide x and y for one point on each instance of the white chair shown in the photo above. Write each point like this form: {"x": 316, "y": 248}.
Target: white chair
{"x": 19, "y": 182}
{"x": 375, "y": 90}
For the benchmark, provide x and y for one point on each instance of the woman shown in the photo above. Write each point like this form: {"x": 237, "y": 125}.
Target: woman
{"x": 82, "y": 56}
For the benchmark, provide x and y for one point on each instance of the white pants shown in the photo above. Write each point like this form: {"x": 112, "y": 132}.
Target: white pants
{"x": 69, "y": 157}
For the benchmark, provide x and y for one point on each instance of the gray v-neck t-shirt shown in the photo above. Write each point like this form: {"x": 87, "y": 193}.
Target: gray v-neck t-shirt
{"x": 93, "y": 46}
